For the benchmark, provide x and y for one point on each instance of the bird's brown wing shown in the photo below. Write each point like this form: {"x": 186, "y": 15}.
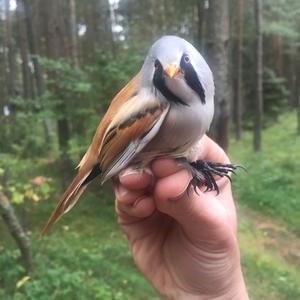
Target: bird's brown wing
{"x": 91, "y": 156}
{"x": 124, "y": 141}
{"x": 90, "y": 160}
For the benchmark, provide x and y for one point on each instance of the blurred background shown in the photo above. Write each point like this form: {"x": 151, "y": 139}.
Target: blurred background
{"x": 61, "y": 62}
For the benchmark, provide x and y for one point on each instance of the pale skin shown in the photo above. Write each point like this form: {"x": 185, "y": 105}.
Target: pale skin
{"x": 185, "y": 245}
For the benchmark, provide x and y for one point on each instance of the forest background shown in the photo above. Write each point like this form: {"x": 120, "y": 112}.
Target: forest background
{"x": 61, "y": 63}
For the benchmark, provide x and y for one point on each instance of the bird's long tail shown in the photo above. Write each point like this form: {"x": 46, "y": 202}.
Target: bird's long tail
{"x": 71, "y": 195}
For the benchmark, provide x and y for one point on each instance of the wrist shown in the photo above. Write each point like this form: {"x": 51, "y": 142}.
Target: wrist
{"x": 231, "y": 285}
{"x": 222, "y": 280}
{"x": 236, "y": 291}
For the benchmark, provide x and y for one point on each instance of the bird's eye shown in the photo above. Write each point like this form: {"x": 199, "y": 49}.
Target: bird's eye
{"x": 186, "y": 59}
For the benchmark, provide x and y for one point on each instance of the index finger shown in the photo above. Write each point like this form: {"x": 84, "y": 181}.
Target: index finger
{"x": 133, "y": 179}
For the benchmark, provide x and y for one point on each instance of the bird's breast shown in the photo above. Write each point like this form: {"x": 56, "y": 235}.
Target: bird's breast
{"x": 181, "y": 129}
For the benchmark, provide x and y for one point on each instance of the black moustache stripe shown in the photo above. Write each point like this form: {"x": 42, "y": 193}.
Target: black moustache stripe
{"x": 159, "y": 83}
{"x": 192, "y": 79}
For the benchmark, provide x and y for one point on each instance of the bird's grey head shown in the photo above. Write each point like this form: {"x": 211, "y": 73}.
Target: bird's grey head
{"x": 178, "y": 71}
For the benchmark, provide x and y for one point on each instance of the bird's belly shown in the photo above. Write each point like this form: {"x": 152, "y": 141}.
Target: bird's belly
{"x": 181, "y": 129}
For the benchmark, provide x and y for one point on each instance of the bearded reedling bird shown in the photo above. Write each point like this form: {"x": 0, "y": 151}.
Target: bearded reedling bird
{"x": 163, "y": 111}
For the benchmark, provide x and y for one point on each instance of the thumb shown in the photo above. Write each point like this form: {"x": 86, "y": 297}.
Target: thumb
{"x": 202, "y": 216}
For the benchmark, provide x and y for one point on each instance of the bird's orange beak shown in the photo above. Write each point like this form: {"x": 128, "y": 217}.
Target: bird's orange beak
{"x": 172, "y": 70}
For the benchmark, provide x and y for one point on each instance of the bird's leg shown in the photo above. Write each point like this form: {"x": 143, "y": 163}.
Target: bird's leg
{"x": 203, "y": 173}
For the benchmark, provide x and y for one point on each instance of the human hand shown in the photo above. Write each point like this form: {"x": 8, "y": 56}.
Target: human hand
{"x": 185, "y": 245}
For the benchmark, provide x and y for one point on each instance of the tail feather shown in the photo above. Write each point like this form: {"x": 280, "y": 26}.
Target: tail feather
{"x": 70, "y": 197}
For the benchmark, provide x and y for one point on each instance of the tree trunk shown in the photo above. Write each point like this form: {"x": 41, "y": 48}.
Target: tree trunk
{"x": 22, "y": 40}
{"x": 58, "y": 48}
{"x": 278, "y": 55}
{"x": 298, "y": 106}
{"x": 259, "y": 76}
{"x": 73, "y": 34}
{"x": 298, "y": 90}
{"x": 99, "y": 33}
{"x": 202, "y": 20}
{"x": 16, "y": 230}
{"x": 106, "y": 35}
{"x": 33, "y": 48}
{"x": 38, "y": 73}
{"x": 217, "y": 52}
{"x": 239, "y": 69}
{"x": 4, "y": 68}
{"x": 10, "y": 54}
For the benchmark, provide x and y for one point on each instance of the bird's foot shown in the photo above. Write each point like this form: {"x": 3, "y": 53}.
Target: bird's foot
{"x": 204, "y": 173}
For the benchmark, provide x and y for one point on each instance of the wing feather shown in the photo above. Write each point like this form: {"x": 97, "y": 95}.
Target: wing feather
{"x": 125, "y": 95}
{"x": 125, "y": 141}
{"x": 67, "y": 200}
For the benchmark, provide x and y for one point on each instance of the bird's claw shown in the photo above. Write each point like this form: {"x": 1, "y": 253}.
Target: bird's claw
{"x": 203, "y": 172}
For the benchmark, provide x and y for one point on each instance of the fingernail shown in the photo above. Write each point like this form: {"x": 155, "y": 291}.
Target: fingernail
{"x": 132, "y": 171}
{"x": 147, "y": 171}
{"x": 120, "y": 191}
{"x": 129, "y": 171}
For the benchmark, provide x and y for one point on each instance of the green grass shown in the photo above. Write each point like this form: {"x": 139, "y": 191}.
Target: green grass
{"x": 271, "y": 187}
{"x": 272, "y": 183}
{"x": 268, "y": 274}
{"x": 86, "y": 256}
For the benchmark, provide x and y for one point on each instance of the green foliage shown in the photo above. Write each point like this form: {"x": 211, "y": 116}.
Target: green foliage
{"x": 110, "y": 74}
{"x": 281, "y": 24}
{"x": 65, "y": 97}
{"x": 165, "y": 17}
{"x": 275, "y": 96}
{"x": 18, "y": 187}
{"x": 282, "y": 18}
{"x": 94, "y": 275}
{"x": 22, "y": 134}
{"x": 65, "y": 85}
{"x": 84, "y": 257}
